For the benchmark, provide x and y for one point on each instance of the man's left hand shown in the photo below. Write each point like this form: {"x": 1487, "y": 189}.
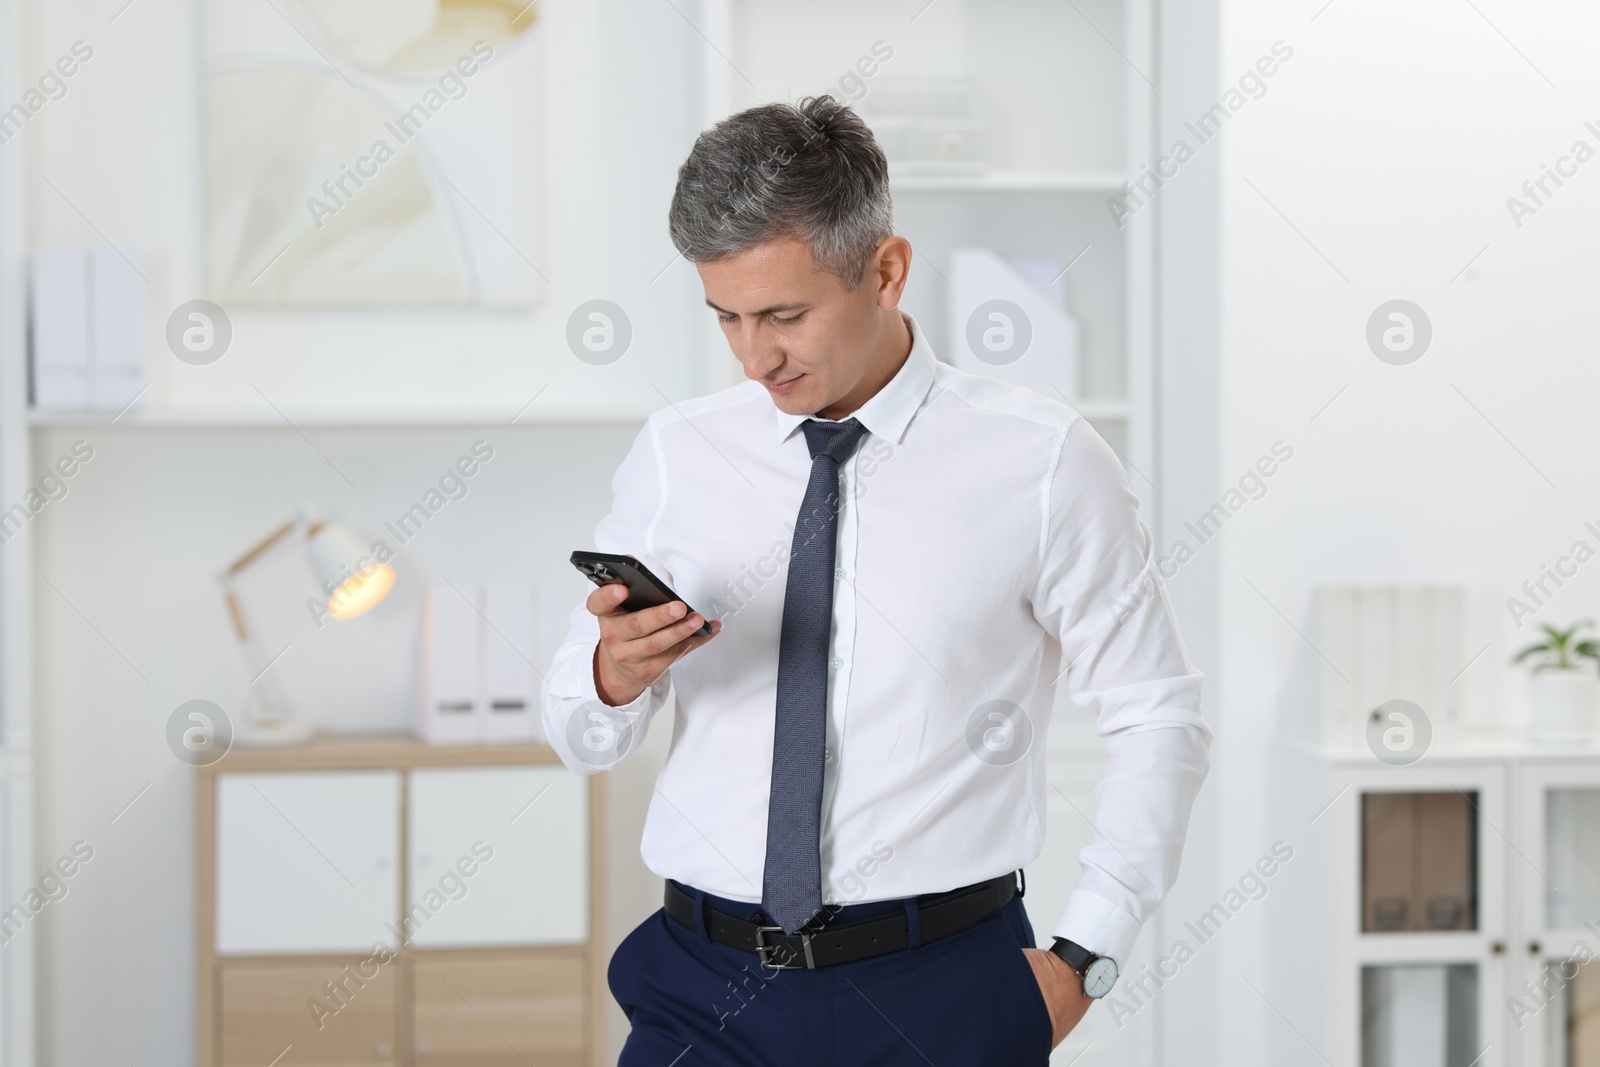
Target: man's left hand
{"x": 1062, "y": 989}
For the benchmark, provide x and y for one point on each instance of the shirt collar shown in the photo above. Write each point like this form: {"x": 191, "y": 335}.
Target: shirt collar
{"x": 887, "y": 412}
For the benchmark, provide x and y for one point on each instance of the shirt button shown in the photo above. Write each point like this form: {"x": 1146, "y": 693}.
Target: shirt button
{"x": 835, "y": 663}
{"x": 838, "y": 574}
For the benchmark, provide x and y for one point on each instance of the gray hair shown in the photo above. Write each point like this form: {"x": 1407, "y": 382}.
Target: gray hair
{"x": 810, "y": 171}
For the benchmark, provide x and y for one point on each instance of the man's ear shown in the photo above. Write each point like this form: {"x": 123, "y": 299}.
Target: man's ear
{"x": 888, "y": 268}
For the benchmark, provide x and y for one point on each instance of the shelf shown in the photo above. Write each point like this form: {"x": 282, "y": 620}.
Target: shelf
{"x": 1011, "y": 181}
{"x": 1095, "y": 410}
{"x": 1464, "y": 746}
{"x": 341, "y": 418}
{"x": 365, "y": 750}
{"x": 1422, "y": 948}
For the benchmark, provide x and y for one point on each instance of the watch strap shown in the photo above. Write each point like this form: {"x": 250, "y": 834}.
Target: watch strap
{"x": 1076, "y": 955}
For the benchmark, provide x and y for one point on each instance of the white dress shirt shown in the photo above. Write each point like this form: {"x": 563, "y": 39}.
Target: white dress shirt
{"x": 987, "y": 541}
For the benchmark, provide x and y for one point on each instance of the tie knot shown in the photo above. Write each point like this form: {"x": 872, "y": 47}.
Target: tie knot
{"x": 836, "y": 440}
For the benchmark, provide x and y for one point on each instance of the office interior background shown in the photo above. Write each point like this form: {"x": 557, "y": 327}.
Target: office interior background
{"x": 1320, "y": 271}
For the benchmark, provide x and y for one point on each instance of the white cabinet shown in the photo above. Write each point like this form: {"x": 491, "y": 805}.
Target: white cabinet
{"x": 1553, "y": 1004}
{"x": 476, "y": 867}
{"x": 523, "y": 832}
{"x": 307, "y": 862}
{"x": 1516, "y": 989}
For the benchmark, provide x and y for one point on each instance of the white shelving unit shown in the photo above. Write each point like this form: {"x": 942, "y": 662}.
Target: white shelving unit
{"x": 1073, "y": 115}
{"x": 1067, "y": 129}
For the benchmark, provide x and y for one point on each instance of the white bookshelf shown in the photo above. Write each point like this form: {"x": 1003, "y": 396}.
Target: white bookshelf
{"x": 1071, "y": 110}
{"x": 1073, "y": 117}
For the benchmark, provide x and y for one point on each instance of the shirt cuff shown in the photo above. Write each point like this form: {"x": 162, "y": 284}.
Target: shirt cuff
{"x": 1098, "y": 925}
{"x": 582, "y": 699}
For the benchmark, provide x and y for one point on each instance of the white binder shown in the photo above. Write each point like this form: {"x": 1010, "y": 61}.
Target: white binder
{"x": 510, "y": 684}
{"x": 88, "y": 329}
{"x": 479, "y": 646}
{"x": 60, "y": 329}
{"x": 452, "y": 701}
{"x": 1009, "y": 320}
{"x": 116, "y": 329}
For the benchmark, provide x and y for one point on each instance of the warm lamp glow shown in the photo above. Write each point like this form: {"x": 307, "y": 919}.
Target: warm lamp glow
{"x": 361, "y": 592}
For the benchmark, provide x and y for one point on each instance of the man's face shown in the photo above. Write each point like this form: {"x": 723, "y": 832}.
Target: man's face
{"x": 795, "y": 329}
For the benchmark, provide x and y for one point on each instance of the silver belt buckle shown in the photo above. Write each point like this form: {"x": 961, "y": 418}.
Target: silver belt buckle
{"x": 762, "y": 949}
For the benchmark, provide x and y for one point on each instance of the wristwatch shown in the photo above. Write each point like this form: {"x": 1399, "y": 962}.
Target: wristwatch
{"x": 1098, "y": 973}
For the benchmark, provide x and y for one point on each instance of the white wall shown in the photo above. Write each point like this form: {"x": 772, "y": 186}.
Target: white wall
{"x": 1390, "y": 142}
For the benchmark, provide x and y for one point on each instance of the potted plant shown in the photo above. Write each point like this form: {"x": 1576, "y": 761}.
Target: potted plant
{"x": 1562, "y": 693}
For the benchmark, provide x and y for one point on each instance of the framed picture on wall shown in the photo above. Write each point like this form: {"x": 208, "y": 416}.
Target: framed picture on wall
{"x": 370, "y": 153}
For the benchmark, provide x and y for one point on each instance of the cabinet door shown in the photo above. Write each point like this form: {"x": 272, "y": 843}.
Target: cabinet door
{"x": 1426, "y": 985}
{"x": 1555, "y": 1002}
{"x": 307, "y": 861}
{"x": 265, "y": 1014}
{"x": 498, "y": 856}
{"x": 500, "y": 1010}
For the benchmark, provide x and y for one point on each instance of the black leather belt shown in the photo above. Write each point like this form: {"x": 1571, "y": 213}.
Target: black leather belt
{"x": 939, "y": 916}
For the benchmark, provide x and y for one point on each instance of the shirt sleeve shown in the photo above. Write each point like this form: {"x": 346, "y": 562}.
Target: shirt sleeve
{"x": 1100, "y": 593}
{"x": 588, "y": 734}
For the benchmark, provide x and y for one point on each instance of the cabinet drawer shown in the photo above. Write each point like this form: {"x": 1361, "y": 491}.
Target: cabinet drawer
{"x": 263, "y": 1011}
{"x": 504, "y": 1010}
{"x": 533, "y": 825}
{"x": 307, "y": 862}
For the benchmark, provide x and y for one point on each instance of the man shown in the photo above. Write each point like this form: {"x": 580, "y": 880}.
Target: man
{"x": 900, "y": 561}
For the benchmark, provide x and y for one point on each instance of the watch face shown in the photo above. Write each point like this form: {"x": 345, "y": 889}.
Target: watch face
{"x": 1099, "y": 977}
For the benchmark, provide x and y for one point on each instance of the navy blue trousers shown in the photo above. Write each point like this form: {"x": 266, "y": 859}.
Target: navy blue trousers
{"x": 961, "y": 1001}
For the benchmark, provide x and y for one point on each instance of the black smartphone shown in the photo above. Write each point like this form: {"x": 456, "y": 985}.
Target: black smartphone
{"x": 645, "y": 590}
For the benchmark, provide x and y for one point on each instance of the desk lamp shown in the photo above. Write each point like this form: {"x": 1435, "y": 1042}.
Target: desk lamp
{"x": 333, "y": 551}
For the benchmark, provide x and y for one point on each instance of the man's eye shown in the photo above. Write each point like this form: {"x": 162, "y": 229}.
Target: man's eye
{"x": 788, "y": 321}
{"x": 726, "y": 317}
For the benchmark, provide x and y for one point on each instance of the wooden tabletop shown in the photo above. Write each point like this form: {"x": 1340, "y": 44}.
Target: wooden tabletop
{"x": 357, "y": 750}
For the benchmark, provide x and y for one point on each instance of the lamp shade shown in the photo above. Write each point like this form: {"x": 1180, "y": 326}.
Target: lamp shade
{"x": 344, "y": 565}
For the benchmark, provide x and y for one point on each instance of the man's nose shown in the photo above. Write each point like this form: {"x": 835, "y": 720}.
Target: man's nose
{"x": 757, "y": 353}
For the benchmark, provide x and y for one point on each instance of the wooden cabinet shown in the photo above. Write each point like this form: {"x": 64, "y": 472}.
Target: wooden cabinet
{"x": 377, "y": 900}
{"x": 265, "y": 1011}
{"x": 501, "y": 1010}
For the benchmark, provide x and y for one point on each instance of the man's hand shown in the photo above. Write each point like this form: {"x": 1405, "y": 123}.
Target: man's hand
{"x": 637, "y": 647}
{"x": 1062, "y": 989}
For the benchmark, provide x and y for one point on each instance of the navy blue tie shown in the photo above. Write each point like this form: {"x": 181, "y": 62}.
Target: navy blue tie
{"x": 791, "y": 891}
